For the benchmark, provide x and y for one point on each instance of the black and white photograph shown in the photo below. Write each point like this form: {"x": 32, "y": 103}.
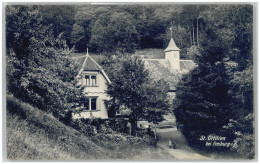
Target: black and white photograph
{"x": 129, "y": 81}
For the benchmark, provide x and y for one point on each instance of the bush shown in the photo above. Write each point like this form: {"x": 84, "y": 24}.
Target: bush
{"x": 121, "y": 139}
{"x": 107, "y": 126}
{"x": 67, "y": 119}
{"x": 244, "y": 145}
{"x": 83, "y": 127}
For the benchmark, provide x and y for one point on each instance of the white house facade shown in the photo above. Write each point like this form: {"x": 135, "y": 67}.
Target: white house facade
{"x": 94, "y": 81}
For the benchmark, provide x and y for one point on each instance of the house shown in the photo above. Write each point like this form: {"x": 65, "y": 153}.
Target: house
{"x": 93, "y": 79}
{"x": 171, "y": 68}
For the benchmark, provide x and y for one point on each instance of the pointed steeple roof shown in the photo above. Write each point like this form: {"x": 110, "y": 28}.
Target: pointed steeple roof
{"x": 172, "y": 46}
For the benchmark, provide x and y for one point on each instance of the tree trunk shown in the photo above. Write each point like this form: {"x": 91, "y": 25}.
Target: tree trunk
{"x": 155, "y": 133}
{"x": 197, "y": 31}
{"x": 190, "y": 36}
{"x": 193, "y": 35}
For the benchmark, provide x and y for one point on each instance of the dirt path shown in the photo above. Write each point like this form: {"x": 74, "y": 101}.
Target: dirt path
{"x": 182, "y": 151}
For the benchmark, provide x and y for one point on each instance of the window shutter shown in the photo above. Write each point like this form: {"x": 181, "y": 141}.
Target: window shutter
{"x": 99, "y": 101}
{"x": 98, "y": 79}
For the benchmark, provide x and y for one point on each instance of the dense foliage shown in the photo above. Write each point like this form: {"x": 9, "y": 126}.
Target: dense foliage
{"x": 114, "y": 33}
{"x": 125, "y": 28}
{"x": 217, "y": 96}
{"x": 132, "y": 88}
{"x": 202, "y": 101}
{"x": 38, "y": 68}
{"x": 61, "y": 18}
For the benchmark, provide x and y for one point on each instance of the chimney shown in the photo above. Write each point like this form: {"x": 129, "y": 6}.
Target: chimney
{"x": 172, "y": 54}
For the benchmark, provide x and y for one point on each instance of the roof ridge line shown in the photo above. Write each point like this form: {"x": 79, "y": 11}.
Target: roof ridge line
{"x": 105, "y": 75}
{"x": 81, "y": 69}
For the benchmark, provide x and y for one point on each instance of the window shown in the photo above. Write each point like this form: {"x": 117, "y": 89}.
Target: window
{"x": 90, "y": 103}
{"x": 93, "y": 103}
{"x": 87, "y": 80}
{"x": 93, "y": 80}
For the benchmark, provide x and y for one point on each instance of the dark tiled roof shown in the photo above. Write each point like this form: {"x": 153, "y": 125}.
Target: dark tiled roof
{"x": 91, "y": 65}
{"x": 161, "y": 69}
{"x": 79, "y": 61}
{"x": 87, "y": 63}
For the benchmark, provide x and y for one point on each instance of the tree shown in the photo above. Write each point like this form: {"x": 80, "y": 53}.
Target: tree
{"x": 114, "y": 33}
{"x": 202, "y": 101}
{"x": 233, "y": 23}
{"x": 242, "y": 124}
{"x": 132, "y": 88}
{"x": 150, "y": 28}
{"x": 78, "y": 38}
{"x": 190, "y": 19}
{"x": 39, "y": 70}
{"x": 61, "y": 17}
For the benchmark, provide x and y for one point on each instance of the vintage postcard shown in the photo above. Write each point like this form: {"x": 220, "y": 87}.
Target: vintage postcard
{"x": 130, "y": 81}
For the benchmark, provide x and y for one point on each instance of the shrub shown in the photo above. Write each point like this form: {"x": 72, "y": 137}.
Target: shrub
{"x": 121, "y": 139}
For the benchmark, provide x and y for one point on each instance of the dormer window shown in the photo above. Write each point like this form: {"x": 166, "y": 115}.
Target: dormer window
{"x": 93, "y": 80}
{"x": 87, "y": 80}
{"x": 90, "y": 80}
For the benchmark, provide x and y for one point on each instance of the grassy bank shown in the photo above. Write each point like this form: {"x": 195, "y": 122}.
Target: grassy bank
{"x": 35, "y": 135}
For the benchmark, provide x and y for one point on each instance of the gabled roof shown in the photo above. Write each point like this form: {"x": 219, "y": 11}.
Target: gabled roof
{"x": 161, "y": 69}
{"x": 172, "y": 46}
{"x": 89, "y": 64}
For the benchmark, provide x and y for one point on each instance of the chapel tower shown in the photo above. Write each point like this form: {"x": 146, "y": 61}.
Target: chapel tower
{"x": 172, "y": 54}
